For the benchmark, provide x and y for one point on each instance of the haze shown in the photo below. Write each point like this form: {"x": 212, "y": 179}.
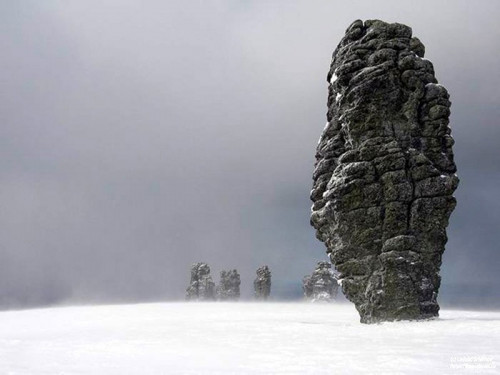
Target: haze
{"x": 139, "y": 137}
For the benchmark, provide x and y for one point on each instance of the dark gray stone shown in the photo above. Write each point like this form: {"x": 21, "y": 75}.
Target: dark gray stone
{"x": 262, "y": 283}
{"x": 385, "y": 175}
{"x": 322, "y": 284}
{"x": 229, "y": 286}
{"x": 201, "y": 287}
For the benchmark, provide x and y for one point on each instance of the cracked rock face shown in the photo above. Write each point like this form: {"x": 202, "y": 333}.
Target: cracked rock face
{"x": 229, "y": 286}
{"x": 322, "y": 285}
{"x": 385, "y": 175}
{"x": 262, "y": 283}
{"x": 201, "y": 287}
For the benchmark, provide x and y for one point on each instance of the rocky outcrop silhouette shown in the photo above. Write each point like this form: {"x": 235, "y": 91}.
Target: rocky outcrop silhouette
{"x": 229, "y": 286}
{"x": 262, "y": 283}
{"x": 385, "y": 175}
{"x": 201, "y": 287}
{"x": 321, "y": 285}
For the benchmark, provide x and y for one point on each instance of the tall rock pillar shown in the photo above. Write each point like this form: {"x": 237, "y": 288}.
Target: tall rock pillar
{"x": 385, "y": 176}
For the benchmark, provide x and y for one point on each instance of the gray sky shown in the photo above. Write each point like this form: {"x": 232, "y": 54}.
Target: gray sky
{"x": 137, "y": 137}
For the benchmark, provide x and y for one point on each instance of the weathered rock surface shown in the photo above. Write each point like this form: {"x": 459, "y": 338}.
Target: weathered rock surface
{"x": 385, "y": 175}
{"x": 201, "y": 287}
{"x": 262, "y": 283}
{"x": 322, "y": 284}
{"x": 229, "y": 286}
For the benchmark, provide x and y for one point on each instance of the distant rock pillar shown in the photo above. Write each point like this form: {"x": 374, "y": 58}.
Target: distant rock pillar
{"x": 201, "y": 287}
{"x": 322, "y": 285}
{"x": 262, "y": 283}
{"x": 229, "y": 286}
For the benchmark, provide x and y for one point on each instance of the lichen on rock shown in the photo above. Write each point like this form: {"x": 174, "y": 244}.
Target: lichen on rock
{"x": 385, "y": 175}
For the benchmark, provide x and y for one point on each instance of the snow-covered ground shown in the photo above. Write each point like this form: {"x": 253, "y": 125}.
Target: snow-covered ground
{"x": 242, "y": 338}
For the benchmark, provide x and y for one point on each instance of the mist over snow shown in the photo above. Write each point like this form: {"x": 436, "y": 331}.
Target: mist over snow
{"x": 242, "y": 338}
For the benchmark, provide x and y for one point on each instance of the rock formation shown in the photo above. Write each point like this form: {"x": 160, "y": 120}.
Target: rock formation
{"x": 229, "y": 286}
{"x": 322, "y": 285}
{"x": 385, "y": 175}
{"x": 201, "y": 287}
{"x": 262, "y": 283}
